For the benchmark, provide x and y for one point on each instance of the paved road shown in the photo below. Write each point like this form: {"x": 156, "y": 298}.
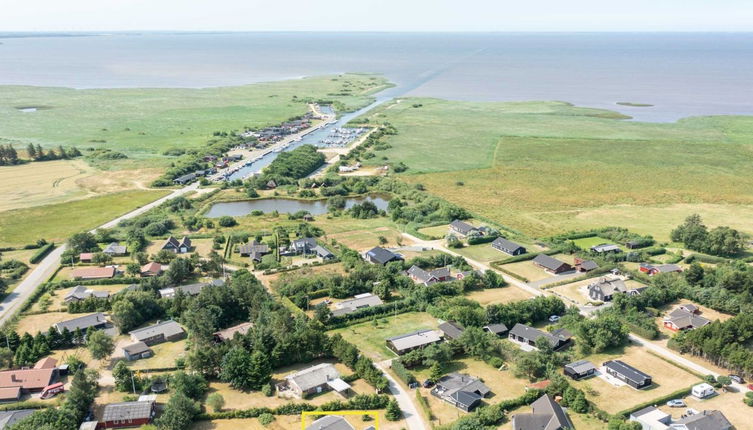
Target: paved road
{"x": 13, "y": 301}
{"x": 404, "y": 400}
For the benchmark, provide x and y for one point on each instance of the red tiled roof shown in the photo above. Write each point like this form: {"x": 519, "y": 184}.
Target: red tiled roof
{"x": 10, "y": 393}
{"x": 86, "y": 256}
{"x": 27, "y": 379}
{"x": 151, "y": 267}
{"x": 46, "y": 363}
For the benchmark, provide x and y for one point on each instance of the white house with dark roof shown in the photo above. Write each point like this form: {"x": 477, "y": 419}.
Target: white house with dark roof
{"x": 181, "y": 246}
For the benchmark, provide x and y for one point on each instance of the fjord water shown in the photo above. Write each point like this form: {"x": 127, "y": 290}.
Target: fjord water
{"x": 681, "y": 74}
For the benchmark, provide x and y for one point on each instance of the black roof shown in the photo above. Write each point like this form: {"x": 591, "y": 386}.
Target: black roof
{"x": 496, "y": 328}
{"x": 381, "y": 255}
{"x": 451, "y": 329}
{"x": 548, "y": 262}
{"x": 628, "y": 371}
{"x": 503, "y": 243}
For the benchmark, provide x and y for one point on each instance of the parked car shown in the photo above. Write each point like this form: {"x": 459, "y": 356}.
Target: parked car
{"x": 676, "y": 403}
{"x": 554, "y": 318}
{"x": 428, "y": 383}
{"x": 736, "y": 379}
{"x": 413, "y": 385}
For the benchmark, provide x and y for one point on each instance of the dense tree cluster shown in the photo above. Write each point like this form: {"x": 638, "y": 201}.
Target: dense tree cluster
{"x": 296, "y": 164}
{"x": 8, "y": 155}
{"x": 722, "y": 343}
{"x": 721, "y": 241}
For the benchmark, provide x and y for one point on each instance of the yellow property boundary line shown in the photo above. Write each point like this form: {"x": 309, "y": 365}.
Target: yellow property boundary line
{"x": 305, "y": 414}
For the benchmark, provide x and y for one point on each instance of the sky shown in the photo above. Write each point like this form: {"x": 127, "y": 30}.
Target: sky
{"x": 376, "y": 15}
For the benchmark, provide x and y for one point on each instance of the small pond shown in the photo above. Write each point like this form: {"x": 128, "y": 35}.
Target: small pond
{"x": 289, "y": 206}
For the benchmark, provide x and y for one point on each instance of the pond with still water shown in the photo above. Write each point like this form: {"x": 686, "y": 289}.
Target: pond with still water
{"x": 314, "y": 207}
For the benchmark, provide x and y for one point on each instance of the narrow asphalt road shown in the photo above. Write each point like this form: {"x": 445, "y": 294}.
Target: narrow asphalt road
{"x": 15, "y": 299}
{"x": 404, "y": 400}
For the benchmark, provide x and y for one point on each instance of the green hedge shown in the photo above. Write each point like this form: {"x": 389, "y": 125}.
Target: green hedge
{"x": 424, "y": 404}
{"x": 41, "y": 253}
{"x": 402, "y": 372}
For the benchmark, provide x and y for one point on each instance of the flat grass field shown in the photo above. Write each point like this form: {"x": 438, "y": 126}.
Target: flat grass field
{"x": 59, "y": 221}
{"x": 371, "y": 340}
{"x": 548, "y": 167}
{"x": 141, "y": 121}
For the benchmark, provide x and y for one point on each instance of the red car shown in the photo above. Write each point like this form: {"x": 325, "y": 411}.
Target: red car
{"x": 750, "y": 387}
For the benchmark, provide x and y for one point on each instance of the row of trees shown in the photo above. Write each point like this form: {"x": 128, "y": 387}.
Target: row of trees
{"x": 36, "y": 153}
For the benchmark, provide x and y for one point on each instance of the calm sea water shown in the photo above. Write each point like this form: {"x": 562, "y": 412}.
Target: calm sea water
{"x": 680, "y": 74}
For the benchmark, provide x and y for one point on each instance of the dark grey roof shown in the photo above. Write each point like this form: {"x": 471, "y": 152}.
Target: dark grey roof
{"x": 314, "y": 376}
{"x": 608, "y": 286}
{"x": 8, "y": 418}
{"x": 305, "y": 244}
{"x": 530, "y": 333}
{"x": 165, "y": 328}
{"x": 455, "y": 382}
{"x": 505, "y": 244}
{"x": 127, "y": 411}
{"x": 136, "y": 348}
{"x": 432, "y": 276}
{"x": 115, "y": 248}
{"x": 462, "y": 227}
{"x": 548, "y": 262}
{"x": 451, "y": 329}
{"x": 330, "y": 422}
{"x": 253, "y": 247}
{"x": 466, "y": 398}
{"x": 496, "y": 328}
{"x": 323, "y": 252}
{"x": 360, "y": 301}
{"x": 589, "y": 265}
{"x": 581, "y": 366}
{"x": 83, "y": 322}
{"x": 682, "y": 319}
{"x": 381, "y": 255}
{"x": 628, "y": 371}
{"x": 706, "y": 420}
{"x": 546, "y": 415}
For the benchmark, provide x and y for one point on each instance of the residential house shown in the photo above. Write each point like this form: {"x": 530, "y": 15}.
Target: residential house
{"x": 96, "y": 320}
{"x": 304, "y": 245}
{"x": 9, "y": 395}
{"x": 137, "y": 351}
{"x": 330, "y": 422}
{"x": 451, "y": 330}
{"x": 526, "y": 335}
{"x": 690, "y": 308}
{"x": 81, "y": 293}
{"x": 28, "y": 380}
{"x": 605, "y": 248}
{"x": 627, "y": 374}
{"x": 551, "y": 265}
{"x": 255, "y": 250}
{"x": 86, "y": 257}
{"x": 185, "y": 179}
{"x": 463, "y": 228}
{"x": 460, "y": 390}
{"x": 706, "y": 420}
{"x": 323, "y": 253}
{"x": 546, "y": 414}
{"x": 703, "y": 390}
{"x": 151, "y": 269}
{"x": 229, "y": 333}
{"x": 127, "y": 414}
{"x": 508, "y": 247}
{"x": 115, "y": 249}
{"x": 681, "y": 319}
{"x": 580, "y": 369}
{"x": 314, "y": 380}
{"x": 604, "y": 289}
{"x": 411, "y": 341}
{"x": 8, "y": 418}
{"x": 89, "y": 273}
{"x": 652, "y": 270}
{"x": 190, "y": 289}
{"x": 165, "y": 331}
{"x": 358, "y": 301}
{"x": 379, "y": 255}
{"x": 181, "y": 246}
{"x": 582, "y": 265}
{"x": 427, "y": 278}
{"x": 651, "y": 418}
{"x": 498, "y": 330}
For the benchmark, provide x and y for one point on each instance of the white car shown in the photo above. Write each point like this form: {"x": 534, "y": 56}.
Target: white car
{"x": 554, "y": 318}
{"x": 676, "y": 403}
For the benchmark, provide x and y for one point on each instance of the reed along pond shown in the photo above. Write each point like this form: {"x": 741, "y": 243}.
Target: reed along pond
{"x": 289, "y": 206}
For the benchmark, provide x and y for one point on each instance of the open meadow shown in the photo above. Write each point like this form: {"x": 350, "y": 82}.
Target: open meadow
{"x": 140, "y": 121}
{"x": 59, "y": 221}
{"x": 546, "y": 167}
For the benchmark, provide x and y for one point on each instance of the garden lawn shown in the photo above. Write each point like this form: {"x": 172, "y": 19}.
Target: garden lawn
{"x": 527, "y": 270}
{"x": 57, "y": 222}
{"x": 483, "y": 252}
{"x": 502, "y": 295}
{"x": 666, "y": 376}
{"x": 371, "y": 340}
{"x": 164, "y": 356}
